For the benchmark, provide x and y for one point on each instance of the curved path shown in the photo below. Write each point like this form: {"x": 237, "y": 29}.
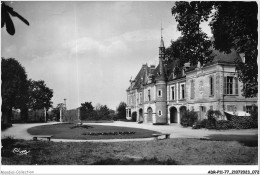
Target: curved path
{"x": 19, "y": 131}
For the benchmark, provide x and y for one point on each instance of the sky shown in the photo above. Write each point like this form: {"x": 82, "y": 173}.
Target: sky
{"x": 88, "y": 51}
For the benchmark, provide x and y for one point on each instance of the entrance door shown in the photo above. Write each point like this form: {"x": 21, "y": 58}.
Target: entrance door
{"x": 202, "y": 112}
{"x": 173, "y": 115}
{"x": 141, "y": 115}
{"x": 149, "y": 115}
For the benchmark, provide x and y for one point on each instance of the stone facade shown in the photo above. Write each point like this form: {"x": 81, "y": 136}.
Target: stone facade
{"x": 157, "y": 96}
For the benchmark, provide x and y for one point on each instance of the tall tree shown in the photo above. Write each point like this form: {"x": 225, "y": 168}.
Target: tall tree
{"x": 103, "y": 112}
{"x": 14, "y": 88}
{"x": 87, "y": 111}
{"x": 39, "y": 95}
{"x": 121, "y": 110}
{"x": 234, "y": 26}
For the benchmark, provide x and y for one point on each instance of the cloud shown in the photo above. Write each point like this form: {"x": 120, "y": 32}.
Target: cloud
{"x": 110, "y": 46}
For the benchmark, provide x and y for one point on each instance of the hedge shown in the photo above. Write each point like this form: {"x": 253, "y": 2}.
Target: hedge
{"x": 243, "y": 122}
{"x": 223, "y": 124}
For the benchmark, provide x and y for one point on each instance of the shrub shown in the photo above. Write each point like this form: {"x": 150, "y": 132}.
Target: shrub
{"x": 203, "y": 123}
{"x": 254, "y": 115}
{"x": 223, "y": 125}
{"x": 242, "y": 122}
{"x": 189, "y": 118}
{"x": 8, "y": 141}
{"x": 212, "y": 116}
{"x": 5, "y": 126}
{"x": 121, "y": 111}
{"x": 134, "y": 116}
{"x": 196, "y": 125}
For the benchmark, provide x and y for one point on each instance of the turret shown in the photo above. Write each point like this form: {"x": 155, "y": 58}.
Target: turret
{"x": 161, "y": 76}
{"x": 161, "y": 90}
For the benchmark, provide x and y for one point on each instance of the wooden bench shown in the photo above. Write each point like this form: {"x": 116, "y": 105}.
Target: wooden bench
{"x": 155, "y": 136}
{"x": 48, "y": 137}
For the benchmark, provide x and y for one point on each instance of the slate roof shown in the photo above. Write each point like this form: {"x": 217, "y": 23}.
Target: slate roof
{"x": 146, "y": 71}
{"x": 221, "y": 57}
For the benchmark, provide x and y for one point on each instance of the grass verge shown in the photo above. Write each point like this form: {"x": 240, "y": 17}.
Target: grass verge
{"x": 171, "y": 151}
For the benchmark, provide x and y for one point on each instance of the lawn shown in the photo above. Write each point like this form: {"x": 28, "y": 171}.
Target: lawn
{"x": 69, "y": 131}
{"x": 170, "y": 151}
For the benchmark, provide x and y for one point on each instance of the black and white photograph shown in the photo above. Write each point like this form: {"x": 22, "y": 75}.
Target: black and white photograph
{"x": 101, "y": 87}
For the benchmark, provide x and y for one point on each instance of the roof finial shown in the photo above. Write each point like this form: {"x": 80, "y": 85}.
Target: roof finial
{"x": 161, "y": 30}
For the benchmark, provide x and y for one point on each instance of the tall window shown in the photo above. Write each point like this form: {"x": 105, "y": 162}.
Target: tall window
{"x": 173, "y": 93}
{"x": 211, "y": 82}
{"x": 182, "y": 95}
{"x": 140, "y": 97}
{"x": 192, "y": 89}
{"x": 230, "y": 85}
{"x": 149, "y": 95}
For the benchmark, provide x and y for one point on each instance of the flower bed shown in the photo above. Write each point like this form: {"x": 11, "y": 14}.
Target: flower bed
{"x": 108, "y": 133}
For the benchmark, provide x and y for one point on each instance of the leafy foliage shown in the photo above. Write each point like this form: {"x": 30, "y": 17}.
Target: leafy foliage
{"x": 212, "y": 118}
{"x": 203, "y": 123}
{"x": 254, "y": 115}
{"x": 102, "y": 112}
{"x": 121, "y": 111}
{"x": 6, "y": 20}
{"x": 14, "y": 87}
{"x": 87, "y": 111}
{"x": 189, "y": 118}
{"x": 223, "y": 125}
{"x": 234, "y": 25}
{"x": 242, "y": 122}
{"x": 134, "y": 116}
{"x": 39, "y": 95}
